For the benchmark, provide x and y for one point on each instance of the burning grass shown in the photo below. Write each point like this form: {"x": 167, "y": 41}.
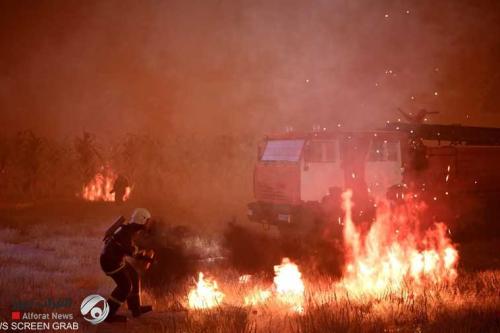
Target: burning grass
{"x": 101, "y": 187}
{"x": 470, "y": 305}
{"x": 395, "y": 252}
{"x": 40, "y": 258}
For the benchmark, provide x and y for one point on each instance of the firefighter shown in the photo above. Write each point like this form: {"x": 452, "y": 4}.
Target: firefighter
{"x": 118, "y": 244}
{"x": 119, "y": 188}
{"x": 332, "y": 202}
{"x": 331, "y": 205}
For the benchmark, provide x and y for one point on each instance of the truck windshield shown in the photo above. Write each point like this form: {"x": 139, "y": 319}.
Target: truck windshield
{"x": 283, "y": 150}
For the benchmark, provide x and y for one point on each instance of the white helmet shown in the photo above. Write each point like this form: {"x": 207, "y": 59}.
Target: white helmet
{"x": 140, "y": 216}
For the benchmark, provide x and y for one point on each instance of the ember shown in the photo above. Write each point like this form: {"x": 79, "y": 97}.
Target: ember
{"x": 393, "y": 253}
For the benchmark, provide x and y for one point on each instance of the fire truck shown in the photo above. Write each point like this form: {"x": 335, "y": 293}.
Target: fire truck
{"x": 445, "y": 165}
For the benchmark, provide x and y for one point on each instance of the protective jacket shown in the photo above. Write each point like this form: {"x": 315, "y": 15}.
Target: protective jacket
{"x": 119, "y": 245}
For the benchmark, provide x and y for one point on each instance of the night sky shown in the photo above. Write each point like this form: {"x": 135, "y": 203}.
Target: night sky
{"x": 215, "y": 67}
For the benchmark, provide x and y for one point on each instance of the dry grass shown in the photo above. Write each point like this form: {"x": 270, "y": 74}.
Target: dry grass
{"x": 39, "y": 260}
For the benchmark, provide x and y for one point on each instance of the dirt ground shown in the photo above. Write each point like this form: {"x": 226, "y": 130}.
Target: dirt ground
{"x": 52, "y": 250}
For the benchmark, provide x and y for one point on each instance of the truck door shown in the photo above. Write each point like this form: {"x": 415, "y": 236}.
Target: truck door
{"x": 320, "y": 169}
{"x": 276, "y": 175}
{"x": 354, "y": 148}
{"x": 383, "y": 165}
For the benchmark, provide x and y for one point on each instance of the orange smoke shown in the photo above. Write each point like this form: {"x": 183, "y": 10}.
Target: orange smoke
{"x": 206, "y": 294}
{"x": 393, "y": 253}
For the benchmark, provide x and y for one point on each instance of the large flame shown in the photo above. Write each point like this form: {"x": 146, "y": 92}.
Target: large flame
{"x": 393, "y": 253}
{"x": 206, "y": 294}
{"x": 100, "y": 188}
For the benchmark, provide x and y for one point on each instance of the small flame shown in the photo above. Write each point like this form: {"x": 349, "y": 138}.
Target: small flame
{"x": 289, "y": 285}
{"x": 100, "y": 188}
{"x": 245, "y": 278}
{"x": 258, "y": 297}
{"x": 126, "y": 196}
{"x": 288, "y": 288}
{"x": 206, "y": 294}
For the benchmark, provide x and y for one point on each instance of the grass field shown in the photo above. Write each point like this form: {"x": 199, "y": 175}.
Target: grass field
{"x": 53, "y": 253}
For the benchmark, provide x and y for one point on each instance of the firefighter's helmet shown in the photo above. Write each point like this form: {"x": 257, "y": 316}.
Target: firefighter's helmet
{"x": 140, "y": 216}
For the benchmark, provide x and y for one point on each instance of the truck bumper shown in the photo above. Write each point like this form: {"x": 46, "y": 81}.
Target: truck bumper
{"x": 266, "y": 213}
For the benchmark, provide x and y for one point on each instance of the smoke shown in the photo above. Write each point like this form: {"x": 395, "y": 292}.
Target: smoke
{"x": 174, "y": 260}
{"x": 181, "y": 252}
{"x": 208, "y": 79}
{"x": 192, "y": 66}
{"x": 249, "y": 251}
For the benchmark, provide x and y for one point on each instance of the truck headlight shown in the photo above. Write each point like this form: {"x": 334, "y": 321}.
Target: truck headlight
{"x": 284, "y": 217}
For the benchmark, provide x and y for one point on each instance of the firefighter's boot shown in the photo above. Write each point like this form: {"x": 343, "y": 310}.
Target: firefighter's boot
{"x": 112, "y": 316}
{"x": 134, "y": 305}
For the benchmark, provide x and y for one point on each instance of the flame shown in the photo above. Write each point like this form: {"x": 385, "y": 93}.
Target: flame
{"x": 258, "y": 297}
{"x": 101, "y": 186}
{"x": 393, "y": 253}
{"x": 289, "y": 285}
{"x": 126, "y": 196}
{"x": 206, "y": 294}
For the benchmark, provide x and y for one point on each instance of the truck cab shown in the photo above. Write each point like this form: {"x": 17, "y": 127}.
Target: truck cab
{"x": 452, "y": 168}
{"x": 296, "y": 171}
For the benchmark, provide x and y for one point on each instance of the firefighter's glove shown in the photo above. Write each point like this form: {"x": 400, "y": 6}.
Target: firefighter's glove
{"x": 146, "y": 255}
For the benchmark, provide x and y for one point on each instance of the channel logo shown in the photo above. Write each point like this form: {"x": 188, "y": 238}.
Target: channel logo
{"x": 16, "y": 315}
{"x": 94, "y": 309}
